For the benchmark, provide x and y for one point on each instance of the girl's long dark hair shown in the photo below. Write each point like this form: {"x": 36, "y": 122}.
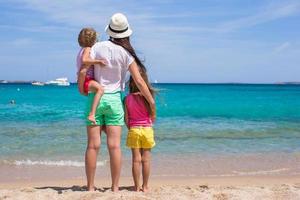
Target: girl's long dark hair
{"x": 125, "y": 43}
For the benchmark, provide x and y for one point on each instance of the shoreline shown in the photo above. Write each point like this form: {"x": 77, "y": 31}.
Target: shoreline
{"x": 254, "y": 176}
{"x": 127, "y": 181}
{"x": 191, "y": 166}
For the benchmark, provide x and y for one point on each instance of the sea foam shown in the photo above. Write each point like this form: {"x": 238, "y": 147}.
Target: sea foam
{"x": 59, "y": 163}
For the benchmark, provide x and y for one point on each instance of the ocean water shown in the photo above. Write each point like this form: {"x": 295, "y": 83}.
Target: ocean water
{"x": 46, "y": 125}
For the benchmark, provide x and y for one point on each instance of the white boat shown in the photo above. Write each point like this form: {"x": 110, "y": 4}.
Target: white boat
{"x": 37, "y": 83}
{"x": 59, "y": 82}
{"x": 3, "y": 81}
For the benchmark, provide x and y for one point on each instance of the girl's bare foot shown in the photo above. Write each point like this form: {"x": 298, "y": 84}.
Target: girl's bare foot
{"x": 145, "y": 188}
{"x": 91, "y": 118}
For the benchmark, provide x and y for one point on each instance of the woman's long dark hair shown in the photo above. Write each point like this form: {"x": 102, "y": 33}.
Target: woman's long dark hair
{"x": 125, "y": 43}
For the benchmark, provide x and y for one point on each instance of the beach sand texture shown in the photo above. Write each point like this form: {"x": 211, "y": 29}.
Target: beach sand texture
{"x": 248, "y": 188}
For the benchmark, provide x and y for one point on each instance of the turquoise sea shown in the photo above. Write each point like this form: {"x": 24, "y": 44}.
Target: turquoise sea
{"x": 46, "y": 124}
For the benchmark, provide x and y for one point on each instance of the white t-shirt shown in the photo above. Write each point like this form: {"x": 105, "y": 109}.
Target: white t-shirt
{"x": 112, "y": 76}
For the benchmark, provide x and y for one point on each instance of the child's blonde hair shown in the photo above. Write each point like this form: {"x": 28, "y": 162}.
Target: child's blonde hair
{"x": 87, "y": 37}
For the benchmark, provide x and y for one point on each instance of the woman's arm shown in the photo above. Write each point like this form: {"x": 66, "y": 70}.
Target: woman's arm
{"x": 140, "y": 83}
{"x": 87, "y": 61}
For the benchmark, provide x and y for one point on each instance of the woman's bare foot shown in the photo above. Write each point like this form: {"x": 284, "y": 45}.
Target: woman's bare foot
{"x": 91, "y": 189}
{"x": 145, "y": 189}
{"x": 91, "y": 118}
{"x": 136, "y": 189}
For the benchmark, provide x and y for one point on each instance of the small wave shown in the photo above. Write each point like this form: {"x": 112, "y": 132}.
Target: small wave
{"x": 172, "y": 175}
{"x": 261, "y": 172}
{"x": 220, "y": 175}
{"x": 59, "y": 163}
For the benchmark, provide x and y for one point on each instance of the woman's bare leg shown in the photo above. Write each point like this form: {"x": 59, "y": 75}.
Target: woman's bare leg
{"x": 113, "y": 143}
{"x": 93, "y": 134}
{"x": 136, "y": 167}
{"x": 146, "y": 158}
{"x": 97, "y": 88}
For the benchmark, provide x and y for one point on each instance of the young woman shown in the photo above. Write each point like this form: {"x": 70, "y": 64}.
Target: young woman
{"x": 120, "y": 57}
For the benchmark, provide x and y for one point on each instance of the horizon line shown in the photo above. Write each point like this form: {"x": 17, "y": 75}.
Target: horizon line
{"x": 208, "y": 83}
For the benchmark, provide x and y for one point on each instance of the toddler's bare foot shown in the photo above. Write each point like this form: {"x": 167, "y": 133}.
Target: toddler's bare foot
{"x": 92, "y": 119}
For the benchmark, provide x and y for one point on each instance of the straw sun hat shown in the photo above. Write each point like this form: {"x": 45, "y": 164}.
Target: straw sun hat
{"x": 118, "y": 26}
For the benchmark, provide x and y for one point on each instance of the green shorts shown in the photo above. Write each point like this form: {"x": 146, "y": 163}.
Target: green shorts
{"x": 110, "y": 110}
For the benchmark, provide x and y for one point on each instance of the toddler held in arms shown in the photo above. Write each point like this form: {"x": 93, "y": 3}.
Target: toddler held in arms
{"x": 85, "y": 69}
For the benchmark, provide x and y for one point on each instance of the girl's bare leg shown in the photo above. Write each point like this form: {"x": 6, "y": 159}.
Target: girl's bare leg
{"x": 113, "y": 143}
{"x": 136, "y": 167}
{"x": 146, "y": 158}
{"x": 93, "y": 134}
{"x": 94, "y": 86}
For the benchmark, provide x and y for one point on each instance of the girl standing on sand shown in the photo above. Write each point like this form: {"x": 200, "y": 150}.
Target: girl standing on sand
{"x": 85, "y": 69}
{"x": 140, "y": 136}
{"x": 121, "y": 58}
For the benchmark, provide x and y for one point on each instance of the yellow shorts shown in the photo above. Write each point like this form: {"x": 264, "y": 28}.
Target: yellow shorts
{"x": 140, "y": 137}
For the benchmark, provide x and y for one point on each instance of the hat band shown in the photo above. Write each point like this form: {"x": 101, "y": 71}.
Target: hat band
{"x": 116, "y": 31}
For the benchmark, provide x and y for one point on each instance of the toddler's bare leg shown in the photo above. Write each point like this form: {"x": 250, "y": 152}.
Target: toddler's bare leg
{"x": 97, "y": 88}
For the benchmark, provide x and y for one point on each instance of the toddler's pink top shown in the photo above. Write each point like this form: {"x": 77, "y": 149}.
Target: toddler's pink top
{"x": 138, "y": 114}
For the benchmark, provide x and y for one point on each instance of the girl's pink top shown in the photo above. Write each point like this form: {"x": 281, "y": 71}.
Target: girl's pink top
{"x": 90, "y": 71}
{"x": 138, "y": 114}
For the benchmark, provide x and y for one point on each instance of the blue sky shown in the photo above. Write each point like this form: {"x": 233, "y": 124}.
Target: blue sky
{"x": 181, "y": 41}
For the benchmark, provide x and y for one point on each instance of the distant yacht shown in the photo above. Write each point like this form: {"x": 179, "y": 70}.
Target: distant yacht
{"x": 37, "y": 83}
{"x": 59, "y": 82}
{"x": 3, "y": 81}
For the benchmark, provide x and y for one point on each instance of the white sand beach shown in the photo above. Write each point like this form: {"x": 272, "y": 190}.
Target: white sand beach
{"x": 231, "y": 177}
{"x": 218, "y": 188}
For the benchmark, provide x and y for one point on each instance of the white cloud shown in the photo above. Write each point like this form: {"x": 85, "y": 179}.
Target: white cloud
{"x": 171, "y": 41}
{"x": 282, "y": 47}
{"x": 21, "y": 42}
{"x": 38, "y": 28}
{"x": 76, "y": 14}
{"x": 270, "y": 13}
